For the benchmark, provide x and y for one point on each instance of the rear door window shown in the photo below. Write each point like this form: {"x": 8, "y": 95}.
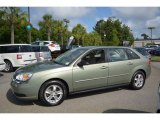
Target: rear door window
{"x": 131, "y": 54}
{"x": 117, "y": 54}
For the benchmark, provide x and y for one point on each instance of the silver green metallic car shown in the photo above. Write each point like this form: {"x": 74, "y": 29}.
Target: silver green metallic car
{"x": 79, "y": 70}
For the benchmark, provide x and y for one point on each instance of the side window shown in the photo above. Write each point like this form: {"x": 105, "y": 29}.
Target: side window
{"x": 94, "y": 57}
{"x": 45, "y": 43}
{"x": 132, "y": 55}
{"x": 25, "y": 48}
{"x": 36, "y": 48}
{"x": 44, "y": 49}
{"x": 11, "y": 49}
{"x": 117, "y": 54}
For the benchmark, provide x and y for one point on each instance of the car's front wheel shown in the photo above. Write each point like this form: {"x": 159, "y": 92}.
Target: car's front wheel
{"x": 52, "y": 93}
{"x": 138, "y": 80}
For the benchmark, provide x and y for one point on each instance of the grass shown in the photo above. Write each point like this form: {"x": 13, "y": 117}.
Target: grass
{"x": 155, "y": 58}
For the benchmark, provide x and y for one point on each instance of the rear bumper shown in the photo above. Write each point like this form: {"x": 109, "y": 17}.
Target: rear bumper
{"x": 24, "y": 63}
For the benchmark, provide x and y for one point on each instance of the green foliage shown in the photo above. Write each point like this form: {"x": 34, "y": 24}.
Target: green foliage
{"x": 92, "y": 39}
{"x": 78, "y": 32}
{"x": 145, "y": 36}
{"x": 112, "y": 32}
{"x": 46, "y": 25}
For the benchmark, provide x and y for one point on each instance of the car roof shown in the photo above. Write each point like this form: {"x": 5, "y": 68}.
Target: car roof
{"x": 92, "y": 47}
{"x": 12, "y": 44}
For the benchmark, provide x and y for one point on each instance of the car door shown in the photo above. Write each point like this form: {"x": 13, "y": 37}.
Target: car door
{"x": 119, "y": 66}
{"x": 93, "y": 73}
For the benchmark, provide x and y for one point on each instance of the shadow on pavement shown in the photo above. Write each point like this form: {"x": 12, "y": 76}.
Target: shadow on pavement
{"x": 123, "y": 111}
{"x": 12, "y": 98}
{"x": 1, "y": 74}
{"x": 96, "y": 92}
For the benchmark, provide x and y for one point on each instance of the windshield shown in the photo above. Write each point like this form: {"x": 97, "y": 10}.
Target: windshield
{"x": 68, "y": 57}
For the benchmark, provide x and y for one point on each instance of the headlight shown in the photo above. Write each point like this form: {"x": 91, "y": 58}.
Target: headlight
{"x": 23, "y": 76}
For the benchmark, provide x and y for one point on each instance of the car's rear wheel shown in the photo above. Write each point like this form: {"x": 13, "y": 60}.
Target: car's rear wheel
{"x": 52, "y": 93}
{"x": 138, "y": 80}
{"x": 8, "y": 66}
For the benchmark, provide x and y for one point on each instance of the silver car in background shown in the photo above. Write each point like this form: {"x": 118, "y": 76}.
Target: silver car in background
{"x": 41, "y": 52}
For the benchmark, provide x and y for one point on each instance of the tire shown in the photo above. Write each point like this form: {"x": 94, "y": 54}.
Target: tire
{"x": 8, "y": 67}
{"x": 52, "y": 93}
{"x": 138, "y": 80}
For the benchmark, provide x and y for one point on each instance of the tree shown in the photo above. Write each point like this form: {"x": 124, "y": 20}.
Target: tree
{"x": 113, "y": 32}
{"x": 78, "y": 32}
{"x": 59, "y": 31}
{"x": 145, "y": 36}
{"x": 13, "y": 16}
{"x": 46, "y": 25}
{"x": 92, "y": 39}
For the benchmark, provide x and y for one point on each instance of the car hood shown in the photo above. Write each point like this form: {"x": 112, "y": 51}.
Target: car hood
{"x": 40, "y": 66}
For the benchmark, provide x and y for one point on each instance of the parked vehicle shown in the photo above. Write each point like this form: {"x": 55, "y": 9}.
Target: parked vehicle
{"x": 80, "y": 70}
{"x": 52, "y": 45}
{"x": 156, "y": 52}
{"x": 17, "y": 55}
{"x": 42, "y": 52}
{"x": 2, "y": 63}
{"x": 151, "y": 48}
{"x": 143, "y": 51}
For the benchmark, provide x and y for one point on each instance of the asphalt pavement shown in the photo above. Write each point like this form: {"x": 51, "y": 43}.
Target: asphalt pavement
{"x": 117, "y": 100}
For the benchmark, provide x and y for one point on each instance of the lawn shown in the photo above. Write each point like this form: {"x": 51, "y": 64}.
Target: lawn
{"x": 155, "y": 58}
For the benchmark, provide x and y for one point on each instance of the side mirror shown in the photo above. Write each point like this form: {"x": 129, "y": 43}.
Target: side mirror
{"x": 81, "y": 63}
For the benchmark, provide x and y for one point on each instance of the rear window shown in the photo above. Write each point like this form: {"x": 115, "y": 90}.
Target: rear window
{"x": 36, "y": 48}
{"x": 25, "y": 48}
{"x": 44, "y": 49}
{"x": 9, "y": 49}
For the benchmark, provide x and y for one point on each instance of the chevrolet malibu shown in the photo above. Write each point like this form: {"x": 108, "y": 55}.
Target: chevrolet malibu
{"x": 80, "y": 70}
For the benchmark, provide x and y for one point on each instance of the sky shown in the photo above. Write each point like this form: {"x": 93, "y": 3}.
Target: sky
{"x": 137, "y": 18}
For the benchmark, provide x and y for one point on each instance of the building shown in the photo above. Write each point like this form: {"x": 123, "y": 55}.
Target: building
{"x": 141, "y": 43}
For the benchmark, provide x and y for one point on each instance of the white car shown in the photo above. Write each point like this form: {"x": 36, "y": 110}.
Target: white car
{"x": 42, "y": 52}
{"x": 17, "y": 55}
{"x": 52, "y": 45}
{"x": 2, "y": 63}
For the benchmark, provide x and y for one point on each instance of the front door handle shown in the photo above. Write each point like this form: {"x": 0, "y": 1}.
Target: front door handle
{"x": 104, "y": 67}
{"x": 129, "y": 63}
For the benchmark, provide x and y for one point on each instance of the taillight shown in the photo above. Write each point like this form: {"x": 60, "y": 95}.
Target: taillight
{"x": 19, "y": 56}
{"x": 40, "y": 54}
{"x": 52, "y": 45}
{"x": 149, "y": 61}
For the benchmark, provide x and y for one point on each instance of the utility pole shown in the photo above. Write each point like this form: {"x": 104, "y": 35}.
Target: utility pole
{"x": 29, "y": 31}
{"x": 66, "y": 24}
{"x": 151, "y": 28}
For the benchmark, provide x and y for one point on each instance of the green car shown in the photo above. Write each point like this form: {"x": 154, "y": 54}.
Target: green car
{"x": 80, "y": 70}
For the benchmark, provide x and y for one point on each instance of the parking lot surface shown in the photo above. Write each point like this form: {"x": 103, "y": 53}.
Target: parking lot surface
{"x": 116, "y": 100}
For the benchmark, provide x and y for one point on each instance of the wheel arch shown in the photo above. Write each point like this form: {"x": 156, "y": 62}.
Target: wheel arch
{"x": 55, "y": 79}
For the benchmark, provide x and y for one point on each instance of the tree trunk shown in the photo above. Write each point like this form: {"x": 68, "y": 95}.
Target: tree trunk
{"x": 12, "y": 34}
{"x": 49, "y": 35}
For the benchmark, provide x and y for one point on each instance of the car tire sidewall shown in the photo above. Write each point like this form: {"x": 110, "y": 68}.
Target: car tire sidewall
{"x": 10, "y": 66}
{"x": 45, "y": 86}
{"x": 132, "y": 84}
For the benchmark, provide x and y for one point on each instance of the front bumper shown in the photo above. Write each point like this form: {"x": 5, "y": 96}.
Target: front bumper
{"x": 23, "y": 91}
